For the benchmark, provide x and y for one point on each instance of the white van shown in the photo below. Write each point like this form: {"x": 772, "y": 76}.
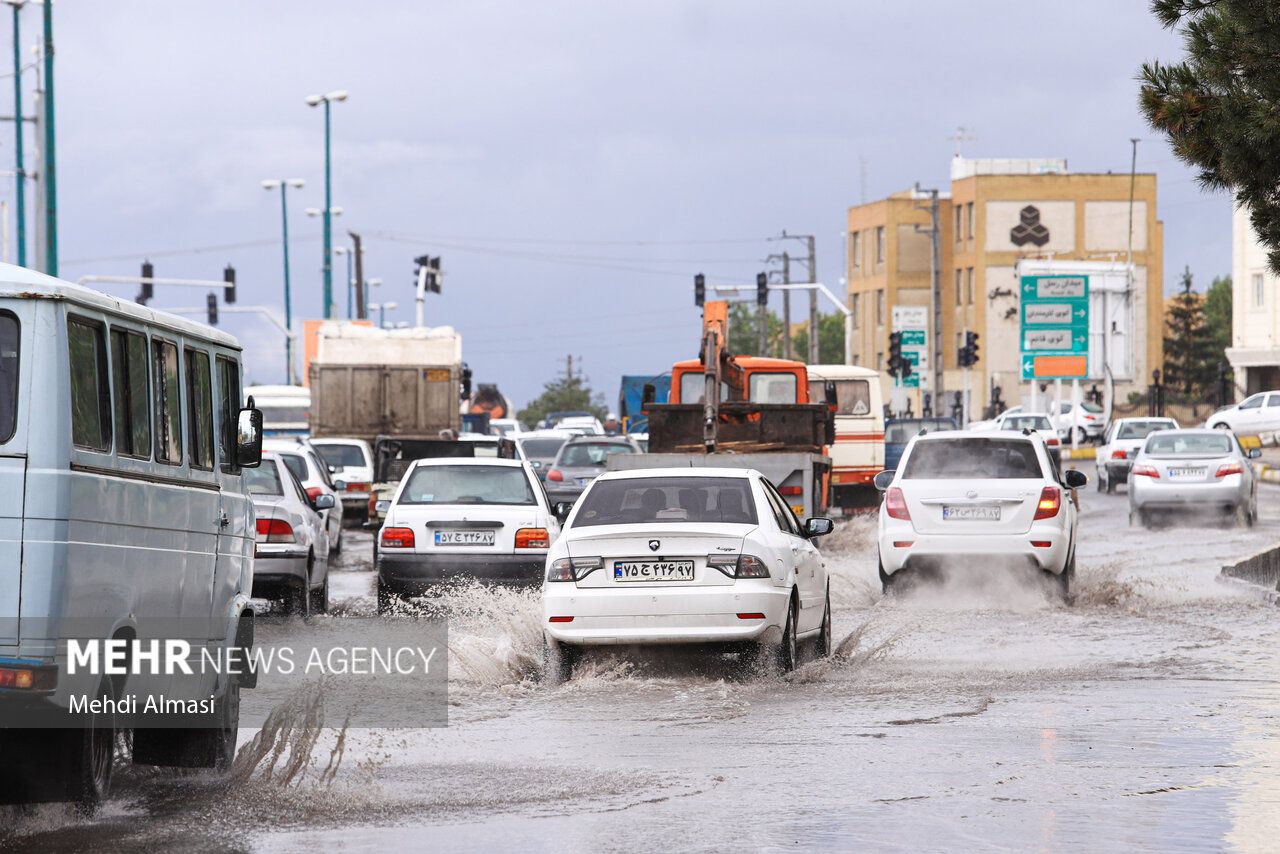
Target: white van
{"x": 286, "y": 409}
{"x": 123, "y": 517}
{"x": 858, "y": 453}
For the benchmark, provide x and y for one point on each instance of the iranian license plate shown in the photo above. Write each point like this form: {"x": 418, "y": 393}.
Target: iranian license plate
{"x": 971, "y": 512}
{"x": 464, "y": 538}
{"x": 583, "y": 481}
{"x": 1187, "y": 473}
{"x": 665, "y": 570}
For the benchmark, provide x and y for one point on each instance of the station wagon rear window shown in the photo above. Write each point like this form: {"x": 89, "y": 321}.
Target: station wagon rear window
{"x": 648, "y": 500}
{"x": 467, "y": 485}
{"x": 965, "y": 459}
{"x": 8, "y": 376}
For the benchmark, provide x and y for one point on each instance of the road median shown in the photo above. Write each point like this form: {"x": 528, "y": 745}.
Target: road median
{"x": 1259, "y": 571}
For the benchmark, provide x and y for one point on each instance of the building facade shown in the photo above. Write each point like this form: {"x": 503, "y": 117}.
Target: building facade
{"x": 995, "y": 213}
{"x": 1254, "y": 353}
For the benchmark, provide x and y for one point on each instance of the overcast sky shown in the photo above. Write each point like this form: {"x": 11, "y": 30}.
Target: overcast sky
{"x": 573, "y": 163}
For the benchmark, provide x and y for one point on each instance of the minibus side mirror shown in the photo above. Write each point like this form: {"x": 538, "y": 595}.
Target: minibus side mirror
{"x": 249, "y": 437}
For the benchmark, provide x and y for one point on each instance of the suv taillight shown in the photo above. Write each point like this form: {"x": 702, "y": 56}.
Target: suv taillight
{"x": 895, "y": 504}
{"x": 1050, "y": 502}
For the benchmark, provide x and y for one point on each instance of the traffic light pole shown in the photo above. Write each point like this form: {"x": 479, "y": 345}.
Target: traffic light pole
{"x": 964, "y": 418}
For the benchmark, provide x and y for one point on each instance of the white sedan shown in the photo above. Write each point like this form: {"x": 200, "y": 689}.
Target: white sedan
{"x": 961, "y": 503}
{"x": 685, "y": 556}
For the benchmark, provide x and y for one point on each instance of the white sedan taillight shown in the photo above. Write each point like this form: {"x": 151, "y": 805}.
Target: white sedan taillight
{"x": 739, "y": 566}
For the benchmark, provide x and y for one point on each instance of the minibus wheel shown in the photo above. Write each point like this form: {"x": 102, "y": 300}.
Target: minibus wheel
{"x": 90, "y": 754}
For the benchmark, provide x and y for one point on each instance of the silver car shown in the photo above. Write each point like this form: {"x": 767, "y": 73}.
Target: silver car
{"x": 291, "y": 552}
{"x": 1124, "y": 437}
{"x": 1203, "y": 471}
{"x": 305, "y": 462}
{"x": 580, "y": 461}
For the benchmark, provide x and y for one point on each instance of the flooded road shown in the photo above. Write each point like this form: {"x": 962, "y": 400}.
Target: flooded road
{"x": 1146, "y": 716}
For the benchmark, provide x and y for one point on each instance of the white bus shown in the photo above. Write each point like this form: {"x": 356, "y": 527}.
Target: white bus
{"x": 858, "y": 453}
{"x": 123, "y": 517}
{"x": 285, "y": 409}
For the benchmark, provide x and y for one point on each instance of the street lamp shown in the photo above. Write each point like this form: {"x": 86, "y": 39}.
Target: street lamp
{"x": 382, "y": 309}
{"x": 297, "y": 184}
{"x": 351, "y": 280}
{"x": 372, "y": 283}
{"x": 312, "y": 101}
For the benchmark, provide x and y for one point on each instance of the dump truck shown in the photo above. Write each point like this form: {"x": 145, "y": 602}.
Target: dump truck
{"x": 742, "y": 412}
{"x": 368, "y": 382}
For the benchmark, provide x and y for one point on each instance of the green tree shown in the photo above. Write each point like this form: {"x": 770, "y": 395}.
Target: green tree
{"x": 1218, "y": 107}
{"x": 1187, "y": 366}
{"x": 744, "y": 330}
{"x": 565, "y": 394}
{"x": 1217, "y": 319}
{"x": 830, "y": 340}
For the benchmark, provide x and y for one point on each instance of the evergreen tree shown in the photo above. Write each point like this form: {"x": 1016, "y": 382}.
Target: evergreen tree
{"x": 1188, "y": 368}
{"x": 1218, "y": 107}
{"x": 564, "y": 394}
{"x": 1217, "y": 320}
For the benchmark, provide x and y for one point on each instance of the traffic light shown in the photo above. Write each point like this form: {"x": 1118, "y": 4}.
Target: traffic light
{"x": 895, "y": 353}
{"x": 699, "y": 290}
{"x": 432, "y": 265}
{"x": 212, "y": 304}
{"x": 148, "y": 291}
{"x": 904, "y": 366}
{"x": 969, "y": 353}
{"x": 762, "y": 289}
{"x": 229, "y": 276}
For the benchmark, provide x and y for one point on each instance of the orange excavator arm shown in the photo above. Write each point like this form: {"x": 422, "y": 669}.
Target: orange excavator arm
{"x": 718, "y": 366}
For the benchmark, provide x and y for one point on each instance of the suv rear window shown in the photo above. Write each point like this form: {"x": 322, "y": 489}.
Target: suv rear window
{"x": 963, "y": 459}
{"x": 645, "y": 500}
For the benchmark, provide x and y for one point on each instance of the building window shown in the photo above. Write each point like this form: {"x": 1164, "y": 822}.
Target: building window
{"x": 857, "y": 310}
{"x": 959, "y": 291}
{"x": 879, "y": 244}
{"x": 969, "y": 212}
{"x": 880, "y": 307}
{"x": 968, "y": 284}
{"x": 1259, "y": 292}
{"x": 880, "y": 362}
{"x": 855, "y": 249}
{"x": 959, "y": 223}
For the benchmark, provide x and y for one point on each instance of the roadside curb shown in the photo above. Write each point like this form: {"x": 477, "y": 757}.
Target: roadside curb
{"x": 1260, "y": 572}
{"x": 1079, "y": 453}
{"x": 1267, "y": 474}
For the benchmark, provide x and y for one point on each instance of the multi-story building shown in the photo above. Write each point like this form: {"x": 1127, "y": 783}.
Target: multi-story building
{"x": 995, "y": 213}
{"x": 1254, "y": 353}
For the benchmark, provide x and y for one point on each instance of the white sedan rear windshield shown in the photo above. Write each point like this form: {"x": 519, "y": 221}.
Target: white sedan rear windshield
{"x": 467, "y": 485}
{"x": 1195, "y": 445}
{"x": 965, "y": 459}
{"x": 1027, "y": 422}
{"x": 646, "y": 500}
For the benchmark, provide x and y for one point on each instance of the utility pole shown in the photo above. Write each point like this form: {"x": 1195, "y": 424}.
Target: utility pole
{"x": 355, "y": 241}
{"x": 568, "y": 369}
{"x": 813, "y": 303}
{"x": 40, "y": 255}
{"x": 935, "y": 275}
{"x": 50, "y": 183}
{"x": 18, "y": 134}
{"x": 786, "y": 307}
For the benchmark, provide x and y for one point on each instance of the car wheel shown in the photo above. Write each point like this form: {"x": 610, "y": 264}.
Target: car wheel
{"x": 337, "y": 547}
{"x": 558, "y": 660}
{"x": 887, "y": 586}
{"x": 784, "y": 655}
{"x": 1111, "y": 487}
{"x": 320, "y": 597}
{"x": 1082, "y": 438}
{"x": 1100, "y": 479}
{"x": 822, "y": 646}
{"x": 89, "y": 755}
{"x": 1065, "y": 581}
{"x": 1221, "y": 425}
{"x": 228, "y": 726}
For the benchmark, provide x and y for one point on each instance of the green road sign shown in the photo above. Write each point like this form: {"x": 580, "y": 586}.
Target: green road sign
{"x": 1054, "y": 288}
{"x": 912, "y": 381}
{"x": 1054, "y": 365}
{"x": 913, "y": 338}
{"x": 1053, "y": 335}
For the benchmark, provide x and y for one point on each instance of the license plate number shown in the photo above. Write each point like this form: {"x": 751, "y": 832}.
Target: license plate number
{"x": 464, "y": 538}
{"x": 971, "y": 512}
{"x": 1186, "y": 473}
{"x": 667, "y": 570}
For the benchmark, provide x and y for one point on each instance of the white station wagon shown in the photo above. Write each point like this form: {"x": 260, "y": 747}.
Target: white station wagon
{"x": 967, "y": 503}
{"x": 685, "y": 556}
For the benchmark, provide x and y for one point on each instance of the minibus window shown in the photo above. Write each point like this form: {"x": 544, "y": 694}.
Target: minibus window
{"x": 90, "y": 391}
{"x": 200, "y": 396}
{"x": 228, "y": 410}
{"x": 132, "y": 381}
{"x": 853, "y": 397}
{"x": 168, "y": 402}
{"x": 8, "y": 376}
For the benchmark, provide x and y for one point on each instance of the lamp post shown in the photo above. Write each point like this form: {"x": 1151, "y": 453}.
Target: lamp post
{"x": 382, "y": 309}
{"x": 327, "y": 213}
{"x": 351, "y": 254}
{"x": 312, "y": 101}
{"x": 283, "y": 184}
{"x": 371, "y": 283}
{"x": 18, "y": 170}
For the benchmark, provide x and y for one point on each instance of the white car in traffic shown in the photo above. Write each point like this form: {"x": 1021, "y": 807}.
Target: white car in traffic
{"x": 1124, "y": 438}
{"x": 963, "y": 503}
{"x": 1258, "y": 413}
{"x": 685, "y": 556}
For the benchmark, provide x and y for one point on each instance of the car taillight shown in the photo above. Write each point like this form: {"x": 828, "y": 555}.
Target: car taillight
{"x": 1050, "y": 503}
{"x": 532, "y": 538}
{"x": 573, "y": 568}
{"x": 276, "y": 531}
{"x": 358, "y": 487}
{"x": 1229, "y": 468}
{"x": 397, "y": 538}
{"x": 555, "y": 475}
{"x": 896, "y": 504}
{"x": 1144, "y": 469}
{"x": 1052, "y": 441}
{"x": 791, "y": 490}
{"x": 739, "y": 566}
{"x": 1118, "y": 455}
{"x": 314, "y": 492}
{"x": 36, "y": 678}
{"x": 373, "y": 504}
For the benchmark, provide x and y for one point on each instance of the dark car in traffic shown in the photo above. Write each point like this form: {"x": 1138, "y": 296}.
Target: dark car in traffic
{"x": 580, "y": 461}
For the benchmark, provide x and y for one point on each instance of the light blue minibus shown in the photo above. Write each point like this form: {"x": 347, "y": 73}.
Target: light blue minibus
{"x": 123, "y": 516}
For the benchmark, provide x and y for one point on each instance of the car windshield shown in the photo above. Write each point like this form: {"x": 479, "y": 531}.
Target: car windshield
{"x": 542, "y": 448}
{"x": 263, "y": 480}
{"x": 962, "y": 459}
{"x": 592, "y": 453}
{"x": 1189, "y": 445}
{"x": 342, "y": 456}
{"x": 443, "y": 484}
{"x": 1141, "y": 429}
{"x": 648, "y": 500}
{"x": 1027, "y": 422}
